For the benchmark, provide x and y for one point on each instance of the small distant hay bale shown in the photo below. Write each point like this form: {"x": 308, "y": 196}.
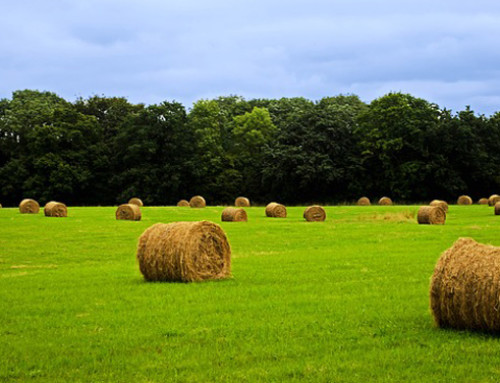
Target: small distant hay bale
{"x": 431, "y": 215}
{"x": 440, "y": 203}
{"x": 129, "y": 212}
{"x": 233, "y": 214}
{"x": 197, "y": 202}
{"x": 29, "y": 206}
{"x": 497, "y": 208}
{"x": 314, "y": 214}
{"x": 55, "y": 209}
{"x": 493, "y": 199}
{"x": 364, "y": 201}
{"x": 0, "y": 205}
{"x": 464, "y": 200}
{"x": 385, "y": 201}
{"x": 276, "y": 210}
{"x": 483, "y": 201}
{"x": 183, "y": 203}
{"x": 136, "y": 201}
{"x": 242, "y": 202}
{"x": 464, "y": 287}
{"x": 184, "y": 252}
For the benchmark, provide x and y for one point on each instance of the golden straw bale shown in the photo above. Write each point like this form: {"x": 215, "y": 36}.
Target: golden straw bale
{"x": 0, "y": 205}
{"x": 314, "y": 213}
{"x": 276, "y": 210}
{"x": 242, "y": 202}
{"x": 183, "y": 203}
{"x": 440, "y": 203}
{"x": 385, "y": 201}
{"x": 431, "y": 215}
{"x": 483, "y": 201}
{"x": 55, "y": 209}
{"x": 464, "y": 200}
{"x": 233, "y": 214}
{"x": 184, "y": 252}
{"x": 364, "y": 201}
{"x": 497, "y": 208}
{"x": 29, "y": 206}
{"x": 129, "y": 212}
{"x": 197, "y": 202}
{"x": 493, "y": 199}
{"x": 136, "y": 201}
{"x": 465, "y": 287}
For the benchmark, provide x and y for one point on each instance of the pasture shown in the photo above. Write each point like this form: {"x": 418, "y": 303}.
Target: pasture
{"x": 345, "y": 300}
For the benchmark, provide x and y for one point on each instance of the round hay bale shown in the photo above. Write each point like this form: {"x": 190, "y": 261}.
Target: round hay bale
{"x": 497, "y": 208}
{"x": 440, "y": 203}
{"x": 242, "y": 202}
{"x": 0, "y": 205}
{"x": 385, "y": 201}
{"x": 29, "y": 206}
{"x": 464, "y": 200}
{"x": 129, "y": 212}
{"x": 184, "y": 252}
{"x": 183, "y": 203}
{"x": 431, "y": 215}
{"x": 197, "y": 202}
{"x": 136, "y": 201}
{"x": 314, "y": 214}
{"x": 483, "y": 201}
{"x": 493, "y": 199}
{"x": 55, "y": 209}
{"x": 364, "y": 201}
{"x": 233, "y": 214}
{"x": 465, "y": 287}
{"x": 276, "y": 210}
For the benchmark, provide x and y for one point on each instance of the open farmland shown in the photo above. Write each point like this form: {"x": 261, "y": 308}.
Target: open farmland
{"x": 344, "y": 300}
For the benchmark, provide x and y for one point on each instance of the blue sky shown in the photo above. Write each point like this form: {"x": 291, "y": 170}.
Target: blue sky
{"x": 149, "y": 51}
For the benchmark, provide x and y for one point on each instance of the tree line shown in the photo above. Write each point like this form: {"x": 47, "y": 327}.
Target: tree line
{"x": 105, "y": 150}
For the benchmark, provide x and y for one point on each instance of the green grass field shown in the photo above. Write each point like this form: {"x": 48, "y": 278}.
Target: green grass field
{"x": 344, "y": 300}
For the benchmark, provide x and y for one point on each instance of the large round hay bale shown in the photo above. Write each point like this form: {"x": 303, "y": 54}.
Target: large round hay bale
{"x": 0, "y": 205}
{"x": 183, "y": 203}
{"x": 242, "y": 202}
{"x": 129, "y": 212}
{"x": 364, "y": 201}
{"x": 465, "y": 288}
{"x": 493, "y": 199}
{"x": 233, "y": 214}
{"x": 184, "y": 252}
{"x": 440, "y": 203}
{"x": 497, "y": 208}
{"x": 464, "y": 200}
{"x": 314, "y": 214}
{"x": 197, "y": 202}
{"x": 385, "y": 201}
{"x": 431, "y": 215}
{"x": 136, "y": 201}
{"x": 29, "y": 206}
{"x": 276, "y": 210}
{"x": 55, "y": 209}
{"x": 483, "y": 201}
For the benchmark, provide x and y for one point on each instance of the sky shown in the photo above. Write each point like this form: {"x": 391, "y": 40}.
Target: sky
{"x": 149, "y": 51}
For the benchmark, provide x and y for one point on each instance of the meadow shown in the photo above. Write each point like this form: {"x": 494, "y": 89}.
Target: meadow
{"x": 346, "y": 300}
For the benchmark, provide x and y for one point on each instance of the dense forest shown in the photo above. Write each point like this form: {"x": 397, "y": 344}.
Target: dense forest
{"x": 104, "y": 150}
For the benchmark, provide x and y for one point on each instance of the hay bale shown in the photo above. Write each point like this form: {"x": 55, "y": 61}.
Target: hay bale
{"x": 29, "y": 206}
{"x": 197, "y": 202}
{"x": 497, "y": 208}
{"x": 431, "y": 215}
{"x": 364, "y": 201}
{"x": 129, "y": 212}
{"x": 465, "y": 287}
{"x": 55, "y": 209}
{"x": 184, "y": 252}
{"x": 232, "y": 214}
{"x": 314, "y": 214}
{"x": 493, "y": 199}
{"x": 136, "y": 201}
{"x": 0, "y": 205}
{"x": 440, "y": 203}
{"x": 483, "y": 201}
{"x": 276, "y": 210}
{"x": 385, "y": 201}
{"x": 183, "y": 203}
{"x": 464, "y": 200}
{"x": 242, "y": 202}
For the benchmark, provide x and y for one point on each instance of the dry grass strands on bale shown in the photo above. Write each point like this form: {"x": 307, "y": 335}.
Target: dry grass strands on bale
{"x": 493, "y": 199}
{"x": 276, "y": 210}
{"x": 464, "y": 200}
{"x": 183, "y": 203}
{"x": 233, "y": 214}
{"x": 483, "y": 201}
{"x": 465, "y": 287}
{"x": 242, "y": 202}
{"x": 136, "y": 201}
{"x": 364, "y": 201}
{"x": 129, "y": 212}
{"x": 197, "y": 202}
{"x": 441, "y": 204}
{"x": 497, "y": 208}
{"x": 431, "y": 215}
{"x": 184, "y": 252}
{"x": 314, "y": 214}
{"x": 29, "y": 206}
{"x": 385, "y": 201}
{"x": 55, "y": 209}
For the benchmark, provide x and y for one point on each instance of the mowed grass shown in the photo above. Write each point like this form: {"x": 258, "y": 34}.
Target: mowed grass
{"x": 344, "y": 300}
